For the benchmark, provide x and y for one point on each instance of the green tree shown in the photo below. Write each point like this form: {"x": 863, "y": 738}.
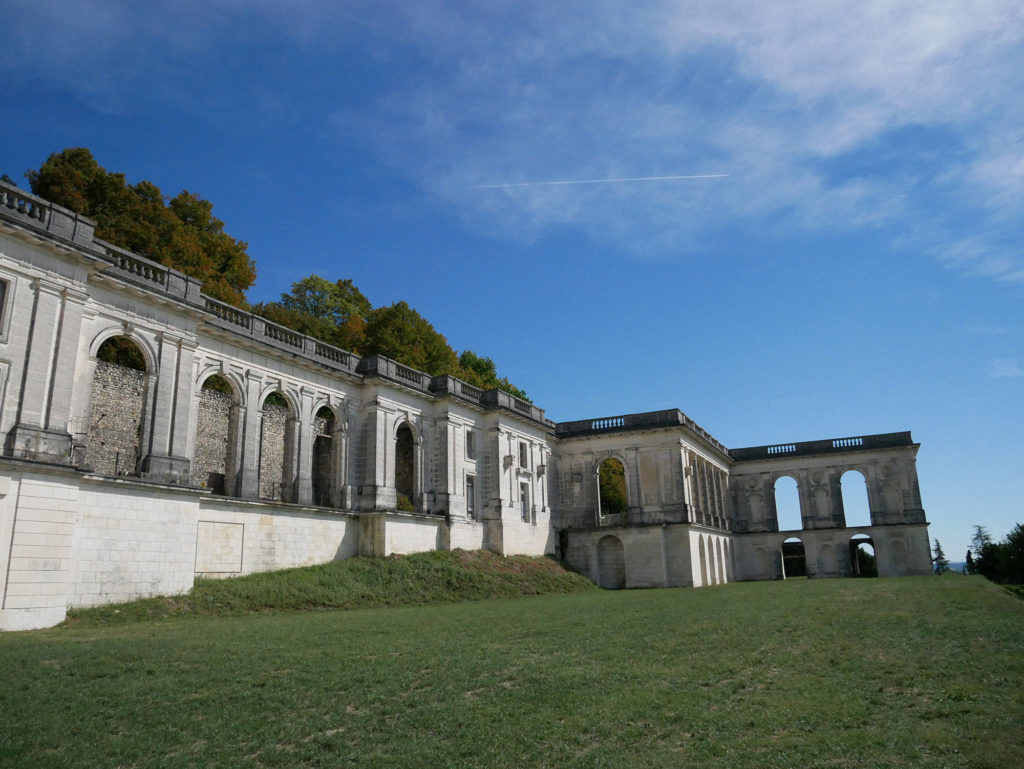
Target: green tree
{"x": 181, "y": 233}
{"x": 334, "y": 312}
{"x": 612, "y": 483}
{"x": 939, "y": 559}
{"x": 483, "y": 373}
{"x": 401, "y": 333}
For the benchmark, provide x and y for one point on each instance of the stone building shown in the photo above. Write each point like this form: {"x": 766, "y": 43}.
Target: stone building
{"x": 151, "y": 434}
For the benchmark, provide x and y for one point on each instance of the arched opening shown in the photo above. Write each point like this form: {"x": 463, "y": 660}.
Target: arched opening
{"x": 216, "y": 436}
{"x": 611, "y": 563}
{"x": 720, "y": 561}
{"x": 862, "y": 556}
{"x": 323, "y": 457}
{"x": 855, "y": 499}
{"x": 117, "y": 404}
{"x": 276, "y": 449}
{"x": 787, "y": 504}
{"x": 794, "y": 563}
{"x": 703, "y": 561}
{"x": 405, "y": 479}
{"x": 612, "y": 482}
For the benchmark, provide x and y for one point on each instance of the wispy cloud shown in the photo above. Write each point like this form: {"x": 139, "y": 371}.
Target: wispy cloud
{"x": 819, "y": 111}
{"x": 1005, "y": 368}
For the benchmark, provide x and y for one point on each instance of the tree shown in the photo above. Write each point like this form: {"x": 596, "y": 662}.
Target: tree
{"x": 980, "y": 539}
{"x": 334, "y": 312}
{"x": 612, "y": 483}
{"x": 939, "y": 559}
{"x": 969, "y": 565}
{"x": 399, "y": 332}
{"x": 483, "y": 373}
{"x": 181, "y": 233}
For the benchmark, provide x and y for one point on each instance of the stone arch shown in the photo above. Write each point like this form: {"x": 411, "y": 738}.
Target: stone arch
{"x": 721, "y": 563}
{"x": 862, "y": 562}
{"x": 120, "y": 389}
{"x": 277, "y": 445}
{"x": 856, "y": 506}
{"x": 788, "y": 509}
{"x": 703, "y": 561}
{"x": 405, "y": 476}
{"x": 612, "y": 489}
{"x": 611, "y": 563}
{"x": 215, "y": 460}
{"x": 794, "y": 560}
{"x": 125, "y": 331}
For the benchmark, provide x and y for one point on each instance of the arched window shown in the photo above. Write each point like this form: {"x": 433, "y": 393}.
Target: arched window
{"x": 612, "y": 482}
{"x": 787, "y": 504}
{"x": 611, "y": 563}
{"x": 323, "y": 457}
{"x": 405, "y": 478}
{"x": 117, "y": 406}
{"x": 214, "y": 463}
{"x": 276, "y": 458}
{"x": 855, "y": 499}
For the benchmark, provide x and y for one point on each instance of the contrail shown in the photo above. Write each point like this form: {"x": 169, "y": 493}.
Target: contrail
{"x": 598, "y": 181}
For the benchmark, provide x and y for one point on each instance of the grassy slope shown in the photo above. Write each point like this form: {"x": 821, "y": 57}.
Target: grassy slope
{"x": 842, "y": 673}
{"x": 356, "y": 583}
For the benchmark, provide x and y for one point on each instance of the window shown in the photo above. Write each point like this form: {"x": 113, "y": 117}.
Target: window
{"x": 471, "y": 496}
{"x": 470, "y": 444}
{"x": 524, "y": 456}
{"x": 524, "y": 500}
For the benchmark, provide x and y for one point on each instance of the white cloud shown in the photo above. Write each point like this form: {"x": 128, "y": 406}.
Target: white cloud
{"x": 1004, "y": 367}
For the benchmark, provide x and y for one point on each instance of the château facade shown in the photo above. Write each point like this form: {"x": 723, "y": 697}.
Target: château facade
{"x": 151, "y": 434}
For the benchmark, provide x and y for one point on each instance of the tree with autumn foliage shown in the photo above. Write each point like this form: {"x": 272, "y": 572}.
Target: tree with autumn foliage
{"x": 180, "y": 232}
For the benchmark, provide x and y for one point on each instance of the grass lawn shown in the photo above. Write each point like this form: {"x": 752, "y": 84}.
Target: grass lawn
{"x": 841, "y": 673}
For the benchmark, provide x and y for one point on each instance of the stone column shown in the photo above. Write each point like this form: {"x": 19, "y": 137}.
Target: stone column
{"x": 251, "y": 437}
{"x": 44, "y": 355}
{"x": 171, "y": 400}
{"x": 303, "y": 439}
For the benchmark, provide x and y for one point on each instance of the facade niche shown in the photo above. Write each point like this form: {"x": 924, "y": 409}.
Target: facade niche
{"x": 117, "y": 404}
{"x": 323, "y": 457}
{"x": 612, "y": 485}
{"x": 276, "y": 449}
{"x": 215, "y": 465}
{"x": 611, "y": 563}
{"x": 405, "y": 478}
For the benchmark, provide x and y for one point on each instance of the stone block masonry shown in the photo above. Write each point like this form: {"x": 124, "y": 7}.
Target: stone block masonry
{"x": 115, "y": 419}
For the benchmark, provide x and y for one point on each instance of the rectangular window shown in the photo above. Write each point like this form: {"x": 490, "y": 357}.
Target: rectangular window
{"x": 524, "y": 501}
{"x": 471, "y": 496}
{"x": 470, "y": 444}
{"x": 524, "y": 456}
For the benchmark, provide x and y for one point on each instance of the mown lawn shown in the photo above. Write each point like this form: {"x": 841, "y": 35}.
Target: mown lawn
{"x": 841, "y": 673}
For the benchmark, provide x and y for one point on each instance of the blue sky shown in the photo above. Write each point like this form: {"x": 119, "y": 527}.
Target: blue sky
{"x": 854, "y": 266}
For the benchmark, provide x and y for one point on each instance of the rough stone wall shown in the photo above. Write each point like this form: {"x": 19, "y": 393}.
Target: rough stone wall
{"x": 213, "y": 435}
{"x": 115, "y": 419}
{"x": 273, "y": 478}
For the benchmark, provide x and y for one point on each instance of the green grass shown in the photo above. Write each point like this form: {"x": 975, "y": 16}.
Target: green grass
{"x": 917, "y": 672}
{"x": 355, "y": 583}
